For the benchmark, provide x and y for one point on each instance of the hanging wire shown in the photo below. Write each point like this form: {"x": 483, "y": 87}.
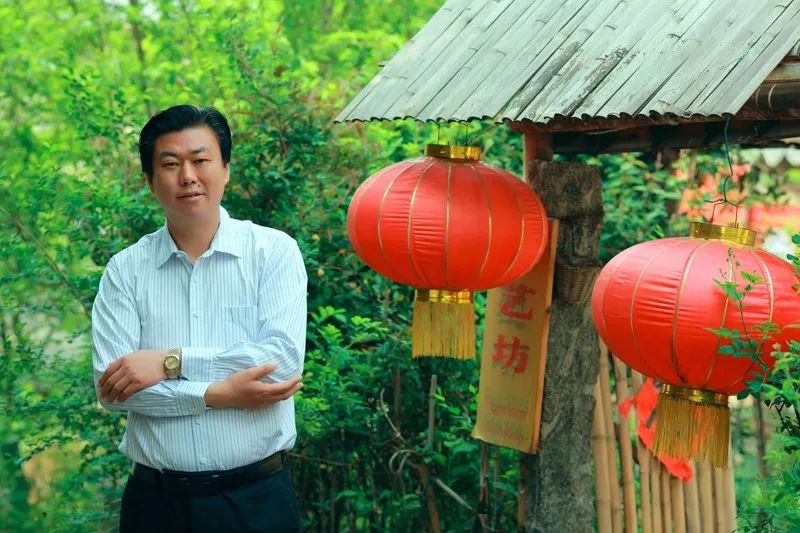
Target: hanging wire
{"x": 724, "y": 199}
{"x": 438, "y": 131}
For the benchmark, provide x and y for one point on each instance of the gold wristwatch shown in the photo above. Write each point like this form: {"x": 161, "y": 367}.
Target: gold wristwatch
{"x": 172, "y": 363}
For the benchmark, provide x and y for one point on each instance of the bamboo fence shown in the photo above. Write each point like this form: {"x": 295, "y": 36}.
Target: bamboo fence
{"x": 633, "y": 490}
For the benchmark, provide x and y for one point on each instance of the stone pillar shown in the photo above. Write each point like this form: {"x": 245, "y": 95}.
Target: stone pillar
{"x": 559, "y": 478}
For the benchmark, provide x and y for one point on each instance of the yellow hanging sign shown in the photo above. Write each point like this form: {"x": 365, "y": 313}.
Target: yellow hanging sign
{"x": 513, "y": 357}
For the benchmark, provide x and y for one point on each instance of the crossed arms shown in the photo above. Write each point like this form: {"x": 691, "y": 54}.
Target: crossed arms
{"x": 248, "y": 374}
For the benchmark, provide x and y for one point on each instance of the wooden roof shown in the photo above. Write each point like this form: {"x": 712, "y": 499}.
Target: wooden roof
{"x": 540, "y": 61}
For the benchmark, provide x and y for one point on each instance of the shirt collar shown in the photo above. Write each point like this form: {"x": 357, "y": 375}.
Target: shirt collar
{"x": 224, "y": 240}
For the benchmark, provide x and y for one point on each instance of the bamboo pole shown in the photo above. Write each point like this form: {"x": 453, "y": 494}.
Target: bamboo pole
{"x": 666, "y": 500}
{"x": 706, "y": 487}
{"x": 599, "y": 442}
{"x": 626, "y": 450}
{"x": 655, "y": 488}
{"x": 730, "y": 495}
{"x": 678, "y": 506}
{"x": 610, "y": 434}
{"x": 719, "y": 500}
{"x": 643, "y": 456}
{"x": 692, "y": 503}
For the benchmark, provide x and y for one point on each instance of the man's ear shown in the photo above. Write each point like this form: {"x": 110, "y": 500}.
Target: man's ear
{"x": 227, "y": 170}
{"x": 149, "y": 179}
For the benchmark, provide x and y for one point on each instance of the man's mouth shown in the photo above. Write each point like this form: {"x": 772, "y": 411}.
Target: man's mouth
{"x": 191, "y": 195}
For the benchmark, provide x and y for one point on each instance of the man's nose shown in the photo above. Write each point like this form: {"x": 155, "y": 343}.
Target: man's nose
{"x": 187, "y": 173}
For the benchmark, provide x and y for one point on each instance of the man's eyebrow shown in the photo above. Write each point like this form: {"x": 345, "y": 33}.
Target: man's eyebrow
{"x": 167, "y": 153}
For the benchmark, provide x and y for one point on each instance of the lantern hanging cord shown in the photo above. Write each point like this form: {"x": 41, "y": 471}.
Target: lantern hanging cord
{"x": 724, "y": 199}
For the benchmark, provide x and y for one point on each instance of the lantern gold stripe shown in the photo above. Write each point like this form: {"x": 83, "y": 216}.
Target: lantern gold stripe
{"x": 447, "y": 226}
{"x": 652, "y": 372}
{"x": 768, "y": 280}
{"x": 489, "y": 238}
{"x": 380, "y": 217}
{"x": 410, "y": 212}
{"x": 674, "y": 343}
{"x": 729, "y": 277}
{"x": 521, "y": 237}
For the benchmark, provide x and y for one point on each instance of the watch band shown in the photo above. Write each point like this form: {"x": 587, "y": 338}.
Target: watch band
{"x": 172, "y": 363}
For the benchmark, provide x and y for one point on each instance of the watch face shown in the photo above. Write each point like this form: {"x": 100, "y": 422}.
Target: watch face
{"x": 171, "y": 362}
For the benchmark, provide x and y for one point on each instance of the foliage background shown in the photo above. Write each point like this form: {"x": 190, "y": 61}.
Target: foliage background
{"x": 78, "y": 81}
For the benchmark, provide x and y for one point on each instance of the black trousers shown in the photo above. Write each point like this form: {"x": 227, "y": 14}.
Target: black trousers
{"x": 267, "y": 505}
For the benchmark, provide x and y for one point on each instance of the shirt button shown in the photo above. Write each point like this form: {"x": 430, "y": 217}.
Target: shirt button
{"x": 203, "y": 460}
{"x": 195, "y": 282}
{"x": 196, "y": 315}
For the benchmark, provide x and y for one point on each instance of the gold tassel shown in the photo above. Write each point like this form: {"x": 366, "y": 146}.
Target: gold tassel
{"x": 692, "y": 424}
{"x": 444, "y": 324}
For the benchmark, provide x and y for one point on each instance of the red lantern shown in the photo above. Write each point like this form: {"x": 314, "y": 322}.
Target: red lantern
{"x": 447, "y": 225}
{"x": 655, "y": 305}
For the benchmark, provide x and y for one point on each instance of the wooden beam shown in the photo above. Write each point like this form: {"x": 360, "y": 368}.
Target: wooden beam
{"x": 656, "y": 138}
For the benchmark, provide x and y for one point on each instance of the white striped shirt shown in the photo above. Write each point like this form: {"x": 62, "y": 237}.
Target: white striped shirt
{"x": 241, "y": 304}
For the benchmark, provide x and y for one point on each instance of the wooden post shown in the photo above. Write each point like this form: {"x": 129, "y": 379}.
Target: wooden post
{"x": 601, "y": 478}
{"x": 666, "y": 501}
{"x": 706, "y": 487}
{"x": 655, "y": 488}
{"x": 626, "y": 449}
{"x": 571, "y": 193}
{"x": 692, "y": 503}
{"x": 645, "y": 465}
{"x": 730, "y": 495}
{"x": 678, "y": 506}
{"x": 611, "y": 441}
{"x": 720, "y": 521}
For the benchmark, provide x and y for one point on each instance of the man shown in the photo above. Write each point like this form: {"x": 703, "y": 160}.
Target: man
{"x": 199, "y": 334}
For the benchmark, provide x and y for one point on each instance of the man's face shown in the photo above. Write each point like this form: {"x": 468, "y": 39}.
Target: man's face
{"x": 189, "y": 176}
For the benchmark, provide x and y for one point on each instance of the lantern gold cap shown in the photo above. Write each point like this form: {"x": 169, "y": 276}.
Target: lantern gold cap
{"x": 730, "y": 234}
{"x": 450, "y": 151}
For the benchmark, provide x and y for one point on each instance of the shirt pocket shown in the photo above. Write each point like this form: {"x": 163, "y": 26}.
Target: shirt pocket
{"x": 242, "y": 323}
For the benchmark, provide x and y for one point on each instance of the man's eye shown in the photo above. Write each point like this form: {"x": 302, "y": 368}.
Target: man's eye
{"x": 201, "y": 161}
{"x": 171, "y": 164}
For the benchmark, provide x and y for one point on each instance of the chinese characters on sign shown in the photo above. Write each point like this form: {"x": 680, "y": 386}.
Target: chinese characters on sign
{"x": 513, "y": 357}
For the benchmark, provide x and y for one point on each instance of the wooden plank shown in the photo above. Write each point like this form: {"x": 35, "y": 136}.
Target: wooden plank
{"x": 480, "y": 56}
{"x": 636, "y": 78}
{"x": 598, "y": 57}
{"x": 767, "y": 53}
{"x": 730, "y": 45}
{"x": 498, "y": 80}
{"x": 440, "y": 78}
{"x": 551, "y": 59}
{"x": 534, "y": 60}
{"x": 393, "y": 77}
{"x": 420, "y": 55}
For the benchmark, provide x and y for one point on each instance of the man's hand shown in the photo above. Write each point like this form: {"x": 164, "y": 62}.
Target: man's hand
{"x": 245, "y": 389}
{"x": 130, "y": 374}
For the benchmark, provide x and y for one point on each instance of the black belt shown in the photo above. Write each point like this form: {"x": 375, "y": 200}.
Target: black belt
{"x": 210, "y": 482}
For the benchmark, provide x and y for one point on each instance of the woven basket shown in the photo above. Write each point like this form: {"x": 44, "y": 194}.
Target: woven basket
{"x": 574, "y": 283}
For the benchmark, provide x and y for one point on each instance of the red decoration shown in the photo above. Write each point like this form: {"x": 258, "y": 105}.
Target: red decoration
{"x": 447, "y": 222}
{"x": 655, "y": 303}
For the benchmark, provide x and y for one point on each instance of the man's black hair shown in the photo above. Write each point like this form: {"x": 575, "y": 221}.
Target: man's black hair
{"x": 179, "y": 118}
